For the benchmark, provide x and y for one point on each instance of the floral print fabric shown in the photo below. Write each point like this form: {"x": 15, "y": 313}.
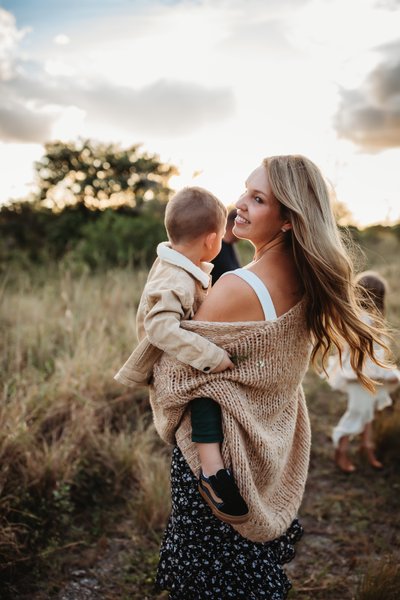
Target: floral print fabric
{"x": 202, "y": 558}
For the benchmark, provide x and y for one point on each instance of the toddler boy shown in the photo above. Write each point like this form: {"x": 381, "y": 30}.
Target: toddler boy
{"x": 177, "y": 283}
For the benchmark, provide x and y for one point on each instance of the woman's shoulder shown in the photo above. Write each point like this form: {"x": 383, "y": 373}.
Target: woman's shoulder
{"x": 230, "y": 299}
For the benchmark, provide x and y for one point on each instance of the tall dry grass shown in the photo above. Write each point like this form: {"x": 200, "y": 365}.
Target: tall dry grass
{"x": 72, "y": 441}
{"x": 381, "y": 582}
{"x": 70, "y": 436}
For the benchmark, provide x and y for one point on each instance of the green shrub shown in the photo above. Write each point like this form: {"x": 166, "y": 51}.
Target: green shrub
{"x": 115, "y": 239}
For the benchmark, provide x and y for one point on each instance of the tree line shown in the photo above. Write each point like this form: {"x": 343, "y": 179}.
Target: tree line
{"x": 100, "y": 205}
{"x": 94, "y": 203}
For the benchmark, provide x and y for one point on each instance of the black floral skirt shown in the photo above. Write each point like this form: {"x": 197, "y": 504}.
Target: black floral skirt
{"x": 202, "y": 558}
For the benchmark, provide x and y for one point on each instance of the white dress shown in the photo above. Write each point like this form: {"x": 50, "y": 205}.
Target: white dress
{"x": 361, "y": 404}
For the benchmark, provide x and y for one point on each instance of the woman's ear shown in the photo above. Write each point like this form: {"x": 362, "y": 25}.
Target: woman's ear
{"x": 210, "y": 240}
{"x": 286, "y": 226}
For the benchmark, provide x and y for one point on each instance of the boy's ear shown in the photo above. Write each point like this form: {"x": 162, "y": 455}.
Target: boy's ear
{"x": 210, "y": 239}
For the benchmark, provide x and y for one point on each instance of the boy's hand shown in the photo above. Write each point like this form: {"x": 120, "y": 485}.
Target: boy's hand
{"x": 225, "y": 363}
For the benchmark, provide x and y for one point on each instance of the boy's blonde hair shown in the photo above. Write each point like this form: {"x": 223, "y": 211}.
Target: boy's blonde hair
{"x": 192, "y": 212}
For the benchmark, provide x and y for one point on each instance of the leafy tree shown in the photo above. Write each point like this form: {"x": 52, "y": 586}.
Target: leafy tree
{"x": 98, "y": 203}
{"x": 99, "y": 176}
{"x": 23, "y": 229}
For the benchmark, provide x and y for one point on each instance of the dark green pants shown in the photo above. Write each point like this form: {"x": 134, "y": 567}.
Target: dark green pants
{"x": 206, "y": 421}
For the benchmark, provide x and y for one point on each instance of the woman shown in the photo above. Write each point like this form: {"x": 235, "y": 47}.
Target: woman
{"x": 294, "y": 300}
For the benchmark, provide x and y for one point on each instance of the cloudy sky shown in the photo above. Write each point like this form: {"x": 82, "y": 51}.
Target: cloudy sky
{"x": 212, "y": 86}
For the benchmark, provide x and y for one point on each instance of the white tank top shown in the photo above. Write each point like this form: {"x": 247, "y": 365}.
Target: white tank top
{"x": 260, "y": 289}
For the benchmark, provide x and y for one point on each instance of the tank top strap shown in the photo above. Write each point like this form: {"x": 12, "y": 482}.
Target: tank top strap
{"x": 260, "y": 289}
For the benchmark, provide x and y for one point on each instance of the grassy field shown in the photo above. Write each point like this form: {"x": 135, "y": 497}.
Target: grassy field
{"x": 84, "y": 490}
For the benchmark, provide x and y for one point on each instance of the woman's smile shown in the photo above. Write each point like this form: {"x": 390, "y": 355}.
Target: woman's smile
{"x": 240, "y": 220}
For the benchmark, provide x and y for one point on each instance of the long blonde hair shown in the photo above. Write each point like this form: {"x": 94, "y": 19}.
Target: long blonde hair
{"x": 334, "y": 310}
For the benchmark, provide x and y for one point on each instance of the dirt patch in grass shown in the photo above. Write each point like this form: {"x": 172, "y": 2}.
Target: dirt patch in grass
{"x": 350, "y": 521}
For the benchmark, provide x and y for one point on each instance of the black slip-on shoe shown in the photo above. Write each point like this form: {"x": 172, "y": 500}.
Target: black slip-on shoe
{"x": 222, "y": 495}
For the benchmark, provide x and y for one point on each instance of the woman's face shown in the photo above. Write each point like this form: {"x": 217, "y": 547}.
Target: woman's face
{"x": 259, "y": 216}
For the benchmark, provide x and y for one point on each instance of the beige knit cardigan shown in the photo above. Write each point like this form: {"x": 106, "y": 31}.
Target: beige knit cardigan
{"x": 264, "y": 414}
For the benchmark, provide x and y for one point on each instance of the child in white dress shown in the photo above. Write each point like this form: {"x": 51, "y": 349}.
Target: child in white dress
{"x": 361, "y": 403}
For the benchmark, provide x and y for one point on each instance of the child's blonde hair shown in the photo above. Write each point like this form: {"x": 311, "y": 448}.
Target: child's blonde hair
{"x": 192, "y": 212}
{"x": 372, "y": 288}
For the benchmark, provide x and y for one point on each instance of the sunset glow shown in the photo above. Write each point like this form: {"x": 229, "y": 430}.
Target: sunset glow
{"x": 211, "y": 86}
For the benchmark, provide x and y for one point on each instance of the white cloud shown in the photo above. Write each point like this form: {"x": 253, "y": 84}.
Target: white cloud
{"x": 165, "y": 108}
{"x": 259, "y": 37}
{"x": 61, "y": 39}
{"x": 23, "y": 124}
{"x": 260, "y": 8}
{"x": 388, "y": 4}
{"x": 9, "y": 39}
{"x": 35, "y": 95}
{"x": 58, "y": 67}
{"x": 370, "y": 114}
